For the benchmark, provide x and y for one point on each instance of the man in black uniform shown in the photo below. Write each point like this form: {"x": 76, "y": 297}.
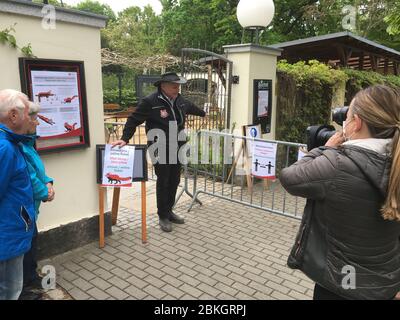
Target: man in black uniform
{"x": 162, "y": 110}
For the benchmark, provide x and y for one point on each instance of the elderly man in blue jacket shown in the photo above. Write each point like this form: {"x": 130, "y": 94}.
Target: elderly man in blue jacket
{"x": 17, "y": 211}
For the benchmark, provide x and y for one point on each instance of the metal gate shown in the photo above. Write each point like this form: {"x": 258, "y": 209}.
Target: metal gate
{"x": 209, "y": 86}
{"x": 225, "y": 173}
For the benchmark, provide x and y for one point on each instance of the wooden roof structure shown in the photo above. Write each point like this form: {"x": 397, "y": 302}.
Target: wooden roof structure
{"x": 343, "y": 49}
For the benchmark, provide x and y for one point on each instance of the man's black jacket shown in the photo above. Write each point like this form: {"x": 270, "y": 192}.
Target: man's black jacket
{"x": 157, "y": 111}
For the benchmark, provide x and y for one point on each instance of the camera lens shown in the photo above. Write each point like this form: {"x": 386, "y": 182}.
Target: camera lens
{"x": 324, "y": 135}
{"x": 339, "y": 115}
{"x": 318, "y": 135}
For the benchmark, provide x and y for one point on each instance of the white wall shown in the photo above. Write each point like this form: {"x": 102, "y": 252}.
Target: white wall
{"x": 242, "y": 96}
{"x": 74, "y": 171}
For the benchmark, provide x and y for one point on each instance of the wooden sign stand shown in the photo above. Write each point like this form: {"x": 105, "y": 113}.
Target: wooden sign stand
{"x": 114, "y": 211}
{"x": 247, "y": 163}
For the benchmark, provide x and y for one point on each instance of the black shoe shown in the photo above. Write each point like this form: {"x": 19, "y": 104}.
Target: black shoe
{"x": 175, "y": 218}
{"x": 30, "y": 293}
{"x": 165, "y": 225}
{"x": 35, "y": 283}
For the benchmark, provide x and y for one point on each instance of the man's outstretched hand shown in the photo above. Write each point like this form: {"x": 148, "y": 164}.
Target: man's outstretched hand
{"x": 119, "y": 143}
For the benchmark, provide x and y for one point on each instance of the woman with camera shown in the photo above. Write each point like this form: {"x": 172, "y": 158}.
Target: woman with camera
{"x": 349, "y": 238}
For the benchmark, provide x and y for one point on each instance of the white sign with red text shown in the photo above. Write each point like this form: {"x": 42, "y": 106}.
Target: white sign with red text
{"x": 118, "y": 166}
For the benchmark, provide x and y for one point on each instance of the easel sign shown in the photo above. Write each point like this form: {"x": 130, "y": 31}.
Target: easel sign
{"x": 246, "y": 150}
{"x": 264, "y": 160}
{"x": 118, "y": 166}
{"x": 138, "y": 174}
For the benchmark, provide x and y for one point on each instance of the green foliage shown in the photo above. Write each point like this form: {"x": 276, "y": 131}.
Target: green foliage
{"x": 376, "y": 20}
{"x": 305, "y": 93}
{"x": 393, "y": 19}
{"x": 6, "y": 37}
{"x": 205, "y": 24}
{"x": 313, "y": 71}
{"x": 27, "y": 51}
{"x": 110, "y": 78}
{"x": 136, "y": 33}
{"x": 362, "y": 79}
{"x": 97, "y": 8}
{"x": 111, "y": 88}
{"x": 128, "y": 97}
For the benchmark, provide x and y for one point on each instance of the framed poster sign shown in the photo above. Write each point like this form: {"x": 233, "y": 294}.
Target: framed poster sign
{"x": 262, "y": 104}
{"x": 58, "y": 86}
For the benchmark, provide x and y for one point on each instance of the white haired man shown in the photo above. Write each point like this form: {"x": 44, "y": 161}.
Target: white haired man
{"x": 17, "y": 211}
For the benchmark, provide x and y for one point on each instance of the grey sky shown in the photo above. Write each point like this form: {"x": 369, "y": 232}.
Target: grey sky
{"x": 119, "y": 5}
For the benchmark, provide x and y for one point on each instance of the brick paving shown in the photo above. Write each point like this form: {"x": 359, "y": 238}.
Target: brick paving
{"x": 223, "y": 251}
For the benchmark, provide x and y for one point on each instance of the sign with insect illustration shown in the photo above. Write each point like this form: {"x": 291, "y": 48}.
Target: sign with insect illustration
{"x": 58, "y": 87}
{"x": 118, "y": 166}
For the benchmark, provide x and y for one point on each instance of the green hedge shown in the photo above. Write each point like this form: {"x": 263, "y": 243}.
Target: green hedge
{"x": 128, "y": 97}
{"x": 111, "y": 91}
{"x": 305, "y": 93}
{"x": 362, "y": 79}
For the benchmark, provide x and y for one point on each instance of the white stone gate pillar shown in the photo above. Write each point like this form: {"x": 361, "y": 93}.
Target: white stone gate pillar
{"x": 256, "y": 67}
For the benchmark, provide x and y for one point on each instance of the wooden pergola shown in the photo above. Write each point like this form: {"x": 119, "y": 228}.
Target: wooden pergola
{"x": 343, "y": 49}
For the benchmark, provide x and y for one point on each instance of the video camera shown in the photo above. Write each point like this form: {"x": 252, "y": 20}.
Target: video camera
{"x": 318, "y": 135}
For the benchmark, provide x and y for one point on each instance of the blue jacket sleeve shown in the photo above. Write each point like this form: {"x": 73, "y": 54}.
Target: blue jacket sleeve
{"x": 48, "y": 180}
{"x": 40, "y": 191}
{"x": 7, "y": 163}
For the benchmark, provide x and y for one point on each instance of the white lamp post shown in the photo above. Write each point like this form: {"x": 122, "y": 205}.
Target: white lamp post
{"x": 255, "y": 14}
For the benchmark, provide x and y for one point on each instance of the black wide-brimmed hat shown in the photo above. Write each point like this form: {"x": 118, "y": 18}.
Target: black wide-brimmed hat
{"x": 170, "y": 77}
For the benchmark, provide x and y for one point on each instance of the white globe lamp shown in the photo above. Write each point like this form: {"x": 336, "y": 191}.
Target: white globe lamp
{"x": 255, "y": 14}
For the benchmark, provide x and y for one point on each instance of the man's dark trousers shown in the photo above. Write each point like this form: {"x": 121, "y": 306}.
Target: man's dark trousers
{"x": 168, "y": 178}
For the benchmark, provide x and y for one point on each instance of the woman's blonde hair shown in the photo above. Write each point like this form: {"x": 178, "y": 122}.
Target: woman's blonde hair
{"x": 379, "y": 107}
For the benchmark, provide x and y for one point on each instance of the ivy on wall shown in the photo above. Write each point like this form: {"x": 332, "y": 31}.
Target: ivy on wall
{"x": 362, "y": 79}
{"x": 6, "y": 37}
{"x": 305, "y": 92}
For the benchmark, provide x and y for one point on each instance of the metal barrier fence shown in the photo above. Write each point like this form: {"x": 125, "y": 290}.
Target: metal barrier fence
{"x": 231, "y": 179}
